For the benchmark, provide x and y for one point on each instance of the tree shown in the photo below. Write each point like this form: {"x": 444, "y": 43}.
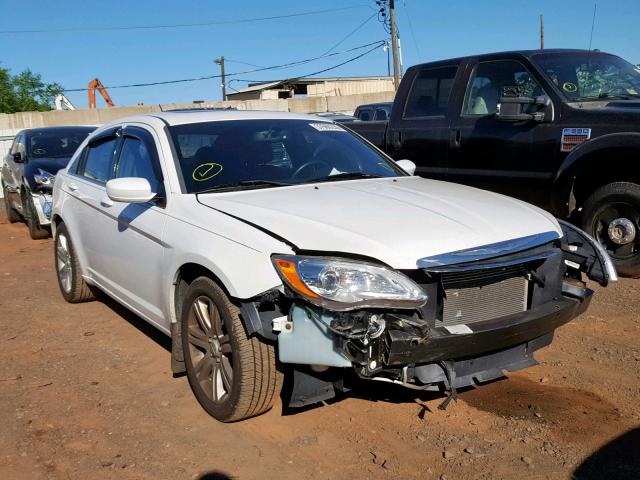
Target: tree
{"x": 26, "y": 92}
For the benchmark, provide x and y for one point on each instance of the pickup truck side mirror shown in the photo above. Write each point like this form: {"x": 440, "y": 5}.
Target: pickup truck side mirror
{"x": 407, "y": 165}
{"x": 18, "y": 158}
{"x": 512, "y": 105}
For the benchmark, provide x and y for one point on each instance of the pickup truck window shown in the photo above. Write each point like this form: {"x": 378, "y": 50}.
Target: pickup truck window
{"x": 487, "y": 81}
{"x": 591, "y": 76}
{"x": 430, "y": 92}
{"x": 364, "y": 115}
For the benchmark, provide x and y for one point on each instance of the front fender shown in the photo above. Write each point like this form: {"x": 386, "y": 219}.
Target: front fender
{"x": 563, "y": 180}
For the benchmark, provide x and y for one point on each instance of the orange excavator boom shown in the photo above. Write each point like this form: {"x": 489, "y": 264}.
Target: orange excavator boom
{"x": 93, "y": 84}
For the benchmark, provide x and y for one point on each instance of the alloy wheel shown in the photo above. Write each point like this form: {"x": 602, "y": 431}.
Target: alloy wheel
{"x": 63, "y": 262}
{"x": 210, "y": 349}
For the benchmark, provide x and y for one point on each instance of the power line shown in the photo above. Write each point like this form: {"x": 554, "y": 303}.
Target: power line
{"x": 413, "y": 35}
{"x": 244, "y": 63}
{"x": 351, "y": 33}
{"x": 182, "y": 25}
{"x": 275, "y": 67}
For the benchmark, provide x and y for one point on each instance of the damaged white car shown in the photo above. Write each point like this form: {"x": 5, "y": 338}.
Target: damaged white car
{"x": 272, "y": 242}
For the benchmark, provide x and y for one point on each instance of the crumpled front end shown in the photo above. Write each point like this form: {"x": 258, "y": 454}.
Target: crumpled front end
{"x": 488, "y": 310}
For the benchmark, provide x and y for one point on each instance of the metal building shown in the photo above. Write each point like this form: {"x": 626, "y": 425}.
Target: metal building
{"x": 313, "y": 87}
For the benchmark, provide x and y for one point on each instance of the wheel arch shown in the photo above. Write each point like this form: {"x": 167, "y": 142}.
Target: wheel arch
{"x": 582, "y": 172}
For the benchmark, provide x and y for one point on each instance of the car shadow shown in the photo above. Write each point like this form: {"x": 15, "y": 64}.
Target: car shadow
{"x": 213, "y": 476}
{"x": 142, "y": 325}
{"x": 617, "y": 460}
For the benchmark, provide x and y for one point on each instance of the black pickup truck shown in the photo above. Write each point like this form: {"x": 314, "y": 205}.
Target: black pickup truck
{"x": 557, "y": 128}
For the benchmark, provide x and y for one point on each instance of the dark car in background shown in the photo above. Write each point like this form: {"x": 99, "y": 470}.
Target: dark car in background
{"x": 28, "y": 171}
{"x": 372, "y": 112}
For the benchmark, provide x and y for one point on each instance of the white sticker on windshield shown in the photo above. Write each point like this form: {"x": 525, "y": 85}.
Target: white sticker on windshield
{"x": 458, "y": 329}
{"x": 327, "y": 127}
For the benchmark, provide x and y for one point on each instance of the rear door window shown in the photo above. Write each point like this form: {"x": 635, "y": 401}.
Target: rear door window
{"x": 430, "y": 93}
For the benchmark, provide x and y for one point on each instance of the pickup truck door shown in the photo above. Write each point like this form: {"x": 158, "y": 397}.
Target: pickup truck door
{"x": 514, "y": 158}
{"x": 419, "y": 127}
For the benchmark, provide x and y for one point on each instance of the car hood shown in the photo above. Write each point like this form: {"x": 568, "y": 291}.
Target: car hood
{"x": 394, "y": 220}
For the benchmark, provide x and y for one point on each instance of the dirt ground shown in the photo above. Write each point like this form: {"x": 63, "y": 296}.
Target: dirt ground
{"x": 86, "y": 392}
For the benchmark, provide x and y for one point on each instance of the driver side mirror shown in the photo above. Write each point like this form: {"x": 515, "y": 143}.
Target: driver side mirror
{"x": 513, "y": 104}
{"x": 129, "y": 190}
{"x": 407, "y": 165}
{"x": 17, "y": 157}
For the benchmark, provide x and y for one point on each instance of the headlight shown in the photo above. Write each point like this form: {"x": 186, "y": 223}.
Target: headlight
{"x": 43, "y": 177}
{"x": 340, "y": 285}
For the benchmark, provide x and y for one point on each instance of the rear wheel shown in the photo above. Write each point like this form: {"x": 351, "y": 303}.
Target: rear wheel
{"x": 36, "y": 231}
{"x": 232, "y": 376}
{"x": 73, "y": 287}
{"x": 12, "y": 215}
{"x": 612, "y": 216}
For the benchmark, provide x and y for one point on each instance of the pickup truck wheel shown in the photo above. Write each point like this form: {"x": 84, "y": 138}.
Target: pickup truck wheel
{"x": 12, "y": 215}
{"x": 612, "y": 216}
{"x": 36, "y": 231}
{"x": 232, "y": 376}
{"x": 73, "y": 287}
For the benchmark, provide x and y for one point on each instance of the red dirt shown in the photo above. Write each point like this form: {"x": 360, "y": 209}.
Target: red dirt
{"x": 86, "y": 392}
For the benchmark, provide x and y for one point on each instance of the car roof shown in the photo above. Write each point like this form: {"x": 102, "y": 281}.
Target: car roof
{"x": 377, "y": 104}
{"x": 59, "y": 130}
{"x": 200, "y": 116}
{"x": 514, "y": 53}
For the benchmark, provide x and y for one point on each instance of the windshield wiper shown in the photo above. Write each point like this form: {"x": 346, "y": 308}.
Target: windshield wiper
{"x": 609, "y": 96}
{"x": 242, "y": 185}
{"x": 343, "y": 176}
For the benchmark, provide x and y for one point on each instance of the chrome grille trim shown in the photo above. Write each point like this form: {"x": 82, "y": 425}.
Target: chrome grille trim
{"x": 488, "y": 251}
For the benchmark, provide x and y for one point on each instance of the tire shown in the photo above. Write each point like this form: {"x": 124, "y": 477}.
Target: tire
{"x": 12, "y": 215}
{"x": 73, "y": 287}
{"x": 232, "y": 376}
{"x": 36, "y": 231}
{"x": 611, "y": 215}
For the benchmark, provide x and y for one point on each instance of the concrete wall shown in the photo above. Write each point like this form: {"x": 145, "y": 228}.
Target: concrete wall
{"x": 341, "y": 88}
{"x": 344, "y": 104}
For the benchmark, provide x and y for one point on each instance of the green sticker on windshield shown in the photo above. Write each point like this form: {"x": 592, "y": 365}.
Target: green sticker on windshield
{"x": 206, "y": 171}
{"x": 569, "y": 87}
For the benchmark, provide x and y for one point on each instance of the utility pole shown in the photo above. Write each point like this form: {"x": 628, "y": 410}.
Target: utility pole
{"x": 394, "y": 43}
{"x": 541, "y": 32}
{"x": 220, "y": 61}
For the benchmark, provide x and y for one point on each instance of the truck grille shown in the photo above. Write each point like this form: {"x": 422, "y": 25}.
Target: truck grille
{"x": 476, "y": 296}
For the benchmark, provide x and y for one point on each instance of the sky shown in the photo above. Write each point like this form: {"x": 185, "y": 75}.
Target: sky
{"x": 429, "y": 30}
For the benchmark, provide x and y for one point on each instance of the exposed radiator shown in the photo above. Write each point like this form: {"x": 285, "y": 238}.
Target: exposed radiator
{"x": 464, "y": 305}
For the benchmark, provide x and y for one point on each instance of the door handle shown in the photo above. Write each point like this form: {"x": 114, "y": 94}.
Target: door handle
{"x": 106, "y": 202}
{"x": 454, "y": 139}
{"x": 73, "y": 187}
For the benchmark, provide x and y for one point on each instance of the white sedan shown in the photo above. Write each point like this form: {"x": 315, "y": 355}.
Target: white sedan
{"x": 269, "y": 242}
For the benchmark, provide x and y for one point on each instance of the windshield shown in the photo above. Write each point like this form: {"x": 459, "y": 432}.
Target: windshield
{"x": 240, "y": 154}
{"x": 591, "y": 75}
{"x": 55, "y": 144}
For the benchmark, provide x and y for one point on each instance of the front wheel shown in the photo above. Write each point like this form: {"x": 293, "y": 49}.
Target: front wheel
{"x": 12, "y": 215}
{"x": 611, "y": 215}
{"x": 36, "y": 231}
{"x": 232, "y": 376}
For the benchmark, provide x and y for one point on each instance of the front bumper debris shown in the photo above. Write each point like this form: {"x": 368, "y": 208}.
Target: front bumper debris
{"x": 491, "y": 335}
